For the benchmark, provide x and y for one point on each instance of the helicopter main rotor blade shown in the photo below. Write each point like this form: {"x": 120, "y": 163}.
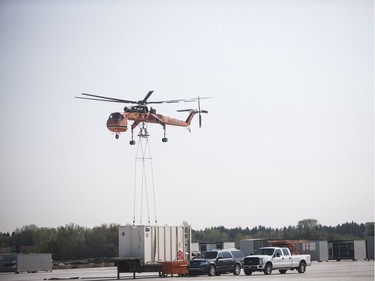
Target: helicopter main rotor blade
{"x": 168, "y": 101}
{"x": 185, "y": 110}
{"x": 177, "y": 101}
{"x": 103, "y": 98}
{"x": 144, "y": 101}
{"x": 83, "y": 98}
{"x": 140, "y": 102}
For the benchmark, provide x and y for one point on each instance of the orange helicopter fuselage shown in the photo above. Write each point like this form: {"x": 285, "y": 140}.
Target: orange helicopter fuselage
{"x": 118, "y": 122}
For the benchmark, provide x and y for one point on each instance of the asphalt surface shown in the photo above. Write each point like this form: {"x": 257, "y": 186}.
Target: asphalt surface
{"x": 327, "y": 271}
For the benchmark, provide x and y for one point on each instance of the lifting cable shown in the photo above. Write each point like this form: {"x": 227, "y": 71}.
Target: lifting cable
{"x": 142, "y": 155}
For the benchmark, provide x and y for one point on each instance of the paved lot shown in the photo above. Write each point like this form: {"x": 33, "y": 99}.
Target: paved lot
{"x": 325, "y": 271}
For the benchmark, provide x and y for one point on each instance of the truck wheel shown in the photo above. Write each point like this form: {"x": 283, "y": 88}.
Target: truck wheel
{"x": 283, "y": 271}
{"x": 267, "y": 269}
{"x": 211, "y": 270}
{"x": 302, "y": 267}
{"x": 247, "y": 271}
{"x": 237, "y": 269}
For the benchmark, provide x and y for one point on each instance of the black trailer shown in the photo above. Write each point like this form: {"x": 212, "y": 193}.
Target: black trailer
{"x": 135, "y": 265}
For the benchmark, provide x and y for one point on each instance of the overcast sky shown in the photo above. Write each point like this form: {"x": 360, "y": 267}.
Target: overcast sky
{"x": 290, "y": 129}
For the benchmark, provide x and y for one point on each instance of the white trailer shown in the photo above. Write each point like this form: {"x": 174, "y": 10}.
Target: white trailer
{"x": 144, "y": 248}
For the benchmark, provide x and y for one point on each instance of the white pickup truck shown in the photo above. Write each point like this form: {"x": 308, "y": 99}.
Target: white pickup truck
{"x": 269, "y": 258}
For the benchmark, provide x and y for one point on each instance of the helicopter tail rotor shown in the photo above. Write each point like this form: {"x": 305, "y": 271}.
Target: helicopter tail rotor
{"x": 199, "y": 111}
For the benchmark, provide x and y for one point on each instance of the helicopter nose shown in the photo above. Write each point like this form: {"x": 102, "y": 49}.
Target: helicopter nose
{"x": 117, "y": 123}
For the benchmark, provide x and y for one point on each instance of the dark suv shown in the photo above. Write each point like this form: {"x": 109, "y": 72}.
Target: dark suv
{"x": 215, "y": 262}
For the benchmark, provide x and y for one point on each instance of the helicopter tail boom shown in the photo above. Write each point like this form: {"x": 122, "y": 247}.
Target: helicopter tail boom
{"x": 190, "y": 117}
{"x": 192, "y": 113}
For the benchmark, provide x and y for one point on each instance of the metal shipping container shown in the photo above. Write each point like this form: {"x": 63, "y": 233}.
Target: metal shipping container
{"x": 34, "y": 262}
{"x": 248, "y": 246}
{"x": 319, "y": 250}
{"x": 370, "y": 247}
{"x": 8, "y": 263}
{"x": 155, "y": 243}
{"x": 360, "y": 249}
{"x": 344, "y": 250}
{"x": 215, "y": 245}
{"x": 26, "y": 262}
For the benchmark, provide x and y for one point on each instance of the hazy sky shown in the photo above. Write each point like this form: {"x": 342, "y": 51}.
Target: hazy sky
{"x": 290, "y": 129}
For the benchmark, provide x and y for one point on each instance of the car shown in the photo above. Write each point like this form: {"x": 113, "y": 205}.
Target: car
{"x": 216, "y": 262}
{"x": 267, "y": 259}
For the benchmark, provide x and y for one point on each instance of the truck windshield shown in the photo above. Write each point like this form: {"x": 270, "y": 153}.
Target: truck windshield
{"x": 267, "y": 252}
{"x": 209, "y": 255}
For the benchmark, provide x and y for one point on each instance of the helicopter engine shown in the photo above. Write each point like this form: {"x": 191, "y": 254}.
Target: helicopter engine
{"x": 136, "y": 109}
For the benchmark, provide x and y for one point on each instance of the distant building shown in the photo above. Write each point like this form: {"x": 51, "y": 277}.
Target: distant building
{"x": 319, "y": 250}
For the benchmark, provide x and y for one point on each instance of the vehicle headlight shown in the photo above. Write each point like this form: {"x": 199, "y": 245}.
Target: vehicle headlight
{"x": 261, "y": 261}
{"x": 203, "y": 263}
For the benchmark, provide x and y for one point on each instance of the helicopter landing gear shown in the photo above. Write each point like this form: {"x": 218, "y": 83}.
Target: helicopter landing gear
{"x": 117, "y": 136}
{"x": 132, "y": 141}
{"x": 165, "y": 139}
{"x": 142, "y": 132}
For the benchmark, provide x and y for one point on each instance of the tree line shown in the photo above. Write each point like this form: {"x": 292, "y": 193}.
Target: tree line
{"x": 69, "y": 242}
{"x": 73, "y": 242}
{"x": 307, "y": 229}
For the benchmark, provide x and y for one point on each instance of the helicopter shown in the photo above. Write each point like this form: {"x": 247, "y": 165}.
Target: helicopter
{"x": 141, "y": 114}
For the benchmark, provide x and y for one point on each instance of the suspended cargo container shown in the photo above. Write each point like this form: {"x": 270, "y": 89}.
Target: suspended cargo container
{"x": 155, "y": 243}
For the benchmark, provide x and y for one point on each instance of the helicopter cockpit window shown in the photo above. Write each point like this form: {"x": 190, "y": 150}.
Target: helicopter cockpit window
{"x": 116, "y": 116}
